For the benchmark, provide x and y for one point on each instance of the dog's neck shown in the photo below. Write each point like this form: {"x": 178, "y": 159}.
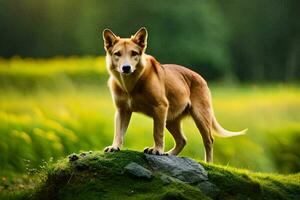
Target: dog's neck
{"x": 128, "y": 82}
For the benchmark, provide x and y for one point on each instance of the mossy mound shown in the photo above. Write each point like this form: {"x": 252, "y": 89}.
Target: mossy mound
{"x": 94, "y": 175}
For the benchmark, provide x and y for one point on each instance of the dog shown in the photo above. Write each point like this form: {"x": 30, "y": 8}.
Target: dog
{"x": 165, "y": 92}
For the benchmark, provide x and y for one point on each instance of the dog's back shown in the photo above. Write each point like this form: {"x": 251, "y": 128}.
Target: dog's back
{"x": 179, "y": 82}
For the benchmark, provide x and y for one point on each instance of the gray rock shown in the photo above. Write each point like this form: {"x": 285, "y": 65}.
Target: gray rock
{"x": 165, "y": 179}
{"x": 209, "y": 189}
{"x": 182, "y": 168}
{"x": 137, "y": 170}
{"x": 168, "y": 179}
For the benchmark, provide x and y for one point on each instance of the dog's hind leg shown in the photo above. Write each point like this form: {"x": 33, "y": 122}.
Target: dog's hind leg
{"x": 202, "y": 116}
{"x": 174, "y": 127}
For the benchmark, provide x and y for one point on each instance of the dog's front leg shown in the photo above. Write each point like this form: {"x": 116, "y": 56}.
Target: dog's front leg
{"x": 122, "y": 118}
{"x": 159, "y": 121}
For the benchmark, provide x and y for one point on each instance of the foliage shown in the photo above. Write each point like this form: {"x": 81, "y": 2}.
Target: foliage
{"x": 283, "y": 145}
{"x": 51, "y": 74}
{"x": 254, "y": 41}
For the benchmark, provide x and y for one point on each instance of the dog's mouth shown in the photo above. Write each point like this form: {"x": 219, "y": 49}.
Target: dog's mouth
{"x": 126, "y": 72}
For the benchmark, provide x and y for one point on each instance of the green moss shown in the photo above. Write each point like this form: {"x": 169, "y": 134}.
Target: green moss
{"x": 243, "y": 183}
{"x": 101, "y": 176}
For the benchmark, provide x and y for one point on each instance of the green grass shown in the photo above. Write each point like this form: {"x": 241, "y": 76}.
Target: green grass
{"x": 103, "y": 177}
{"x": 51, "y": 108}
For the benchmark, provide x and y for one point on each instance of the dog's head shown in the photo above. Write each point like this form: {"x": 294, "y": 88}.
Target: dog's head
{"x": 125, "y": 55}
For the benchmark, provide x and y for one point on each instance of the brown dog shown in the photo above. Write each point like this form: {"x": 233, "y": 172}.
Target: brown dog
{"x": 167, "y": 93}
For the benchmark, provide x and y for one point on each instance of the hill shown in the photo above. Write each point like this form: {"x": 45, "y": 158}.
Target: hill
{"x": 134, "y": 175}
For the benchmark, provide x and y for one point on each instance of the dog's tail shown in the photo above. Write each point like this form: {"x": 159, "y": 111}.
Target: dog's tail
{"x": 221, "y": 132}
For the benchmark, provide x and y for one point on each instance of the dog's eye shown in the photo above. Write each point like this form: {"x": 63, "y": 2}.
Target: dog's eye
{"x": 134, "y": 53}
{"x": 118, "y": 54}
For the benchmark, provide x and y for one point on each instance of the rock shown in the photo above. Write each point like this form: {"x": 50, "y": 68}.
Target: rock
{"x": 168, "y": 179}
{"x": 182, "y": 168}
{"x": 137, "y": 170}
{"x": 209, "y": 189}
{"x": 165, "y": 179}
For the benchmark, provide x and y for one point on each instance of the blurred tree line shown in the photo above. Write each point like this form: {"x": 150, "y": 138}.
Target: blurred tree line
{"x": 256, "y": 40}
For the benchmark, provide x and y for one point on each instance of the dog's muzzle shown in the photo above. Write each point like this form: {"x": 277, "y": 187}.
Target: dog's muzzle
{"x": 126, "y": 69}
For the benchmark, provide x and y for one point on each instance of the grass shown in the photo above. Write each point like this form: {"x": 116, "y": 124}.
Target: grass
{"x": 50, "y": 74}
{"x": 101, "y": 176}
{"x": 51, "y": 108}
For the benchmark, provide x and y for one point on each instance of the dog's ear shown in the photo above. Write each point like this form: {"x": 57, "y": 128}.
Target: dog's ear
{"x": 140, "y": 37}
{"x": 110, "y": 39}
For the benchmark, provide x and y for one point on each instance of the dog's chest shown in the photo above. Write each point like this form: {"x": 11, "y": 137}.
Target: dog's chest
{"x": 139, "y": 104}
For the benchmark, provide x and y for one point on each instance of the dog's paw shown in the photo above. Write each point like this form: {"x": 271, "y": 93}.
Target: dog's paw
{"x": 171, "y": 153}
{"x": 154, "y": 151}
{"x": 111, "y": 149}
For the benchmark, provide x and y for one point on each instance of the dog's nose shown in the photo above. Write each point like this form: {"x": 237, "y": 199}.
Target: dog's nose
{"x": 126, "y": 68}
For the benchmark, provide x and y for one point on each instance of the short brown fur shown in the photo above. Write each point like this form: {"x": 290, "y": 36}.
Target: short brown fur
{"x": 167, "y": 93}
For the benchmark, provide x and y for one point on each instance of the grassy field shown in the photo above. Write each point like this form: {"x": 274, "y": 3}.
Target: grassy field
{"x": 51, "y": 108}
